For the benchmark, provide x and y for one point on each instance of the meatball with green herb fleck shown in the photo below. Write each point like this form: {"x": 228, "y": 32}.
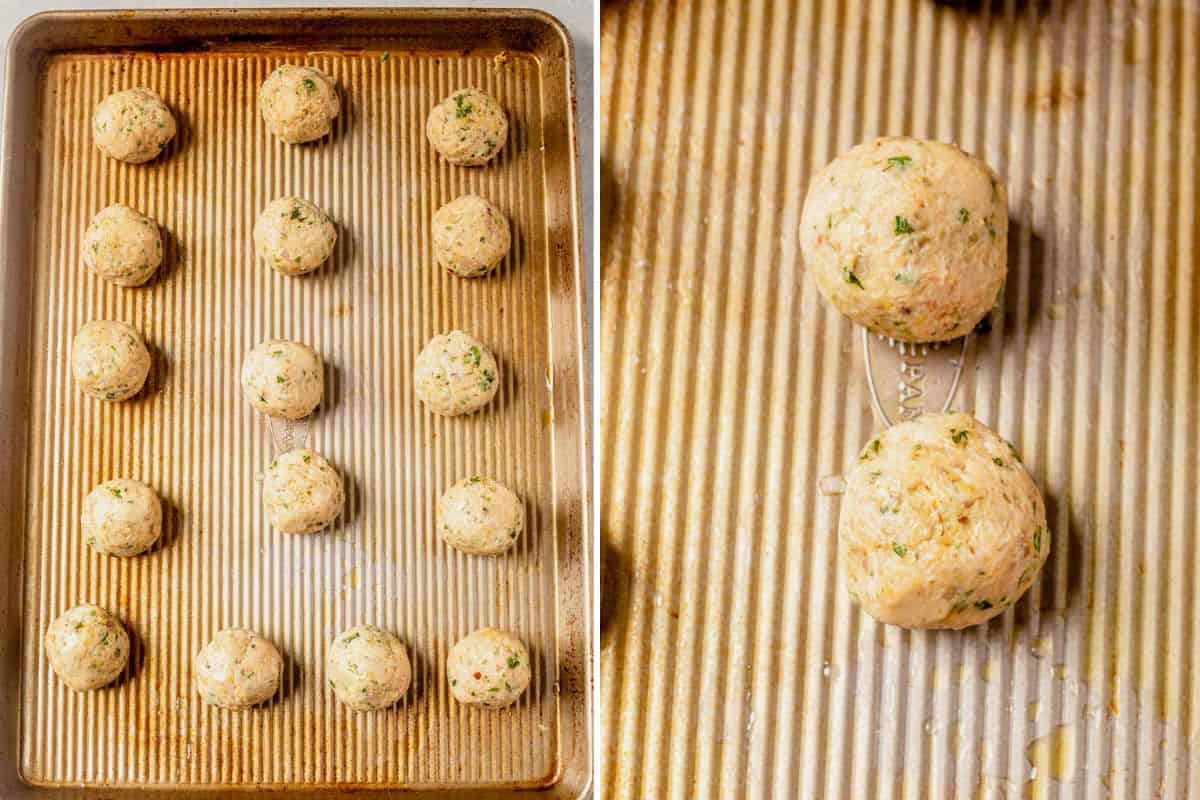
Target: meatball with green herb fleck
{"x": 121, "y": 518}
{"x": 368, "y": 668}
{"x": 87, "y": 647}
{"x": 283, "y": 379}
{"x": 298, "y": 104}
{"x": 941, "y": 525}
{"x": 908, "y": 238}
{"x": 294, "y": 236}
{"x": 468, "y": 128}
{"x": 122, "y": 246}
{"x": 488, "y": 668}
{"x": 109, "y": 360}
{"x": 480, "y": 516}
{"x": 470, "y": 236}
{"x": 132, "y": 126}
{"x": 302, "y": 492}
{"x": 455, "y": 374}
{"x": 238, "y": 669}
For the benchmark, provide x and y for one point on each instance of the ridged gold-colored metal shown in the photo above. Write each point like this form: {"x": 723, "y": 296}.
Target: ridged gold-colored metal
{"x": 733, "y": 663}
{"x": 194, "y": 438}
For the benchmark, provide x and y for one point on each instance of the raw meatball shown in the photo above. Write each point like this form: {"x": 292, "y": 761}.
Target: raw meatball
{"x": 109, "y": 360}
{"x": 134, "y": 125}
{"x": 455, "y": 374}
{"x": 283, "y": 379}
{"x": 470, "y": 236}
{"x": 122, "y": 246}
{"x": 467, "y": 128}
{"x": 122, "y": 518}
{"x": 480, "y": 516}
{"x": 298, "y": 104}
{"x": 294, "y": 236}
{"x": 87, "y": 647}
{"x": 488, "y": 667}
{"x": 941, "y": 525}
{"x": 908, "y": 238}
{"x": 368, "y": 668}
{"x": 238, "y": 669}
{"x": 302, "y": 492}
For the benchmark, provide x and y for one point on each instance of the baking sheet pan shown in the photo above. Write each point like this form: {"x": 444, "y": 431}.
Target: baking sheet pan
{"x": 192, "y": 436}
{"x": 732, "y": 661}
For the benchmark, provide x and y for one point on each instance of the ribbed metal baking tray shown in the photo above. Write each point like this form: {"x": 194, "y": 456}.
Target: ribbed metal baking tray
{"x": 732, "y": 661}
{"x": 193, "y": 437}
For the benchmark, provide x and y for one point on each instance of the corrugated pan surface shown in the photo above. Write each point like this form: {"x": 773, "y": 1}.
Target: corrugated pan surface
{"x": 193, "y": 437}
{"x": 732, "y": 661}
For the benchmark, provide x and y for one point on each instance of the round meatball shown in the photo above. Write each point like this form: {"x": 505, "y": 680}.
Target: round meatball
{"x": 908, "y": 238}
{"x": 468, "y": 128}
{"x": 133, "y": 126}
{"x": 238, "y": 669}
{"x": 283, "y": 379}
{"x": 489, "y": 668}
{"x": 294, "y": 236}
{"x": 302, "y": 492}
{"x": 87, "y": 647}
{"x": 480, "y": 516}
{"x": 298, "y": 104}
{"x": 122, "y": 518}
{"x": 455, "y": 374}
{"x": 368, "y": 668}
{"x": 941, "y": 525}
{"x": 122, "y": 246}
{"x": 109, "y": 360}
{"x": 470, "y": 236}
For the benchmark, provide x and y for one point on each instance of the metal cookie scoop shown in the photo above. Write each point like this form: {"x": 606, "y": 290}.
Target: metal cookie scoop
{"x": 289, "y": 434}
{"x": 909, "y": 379}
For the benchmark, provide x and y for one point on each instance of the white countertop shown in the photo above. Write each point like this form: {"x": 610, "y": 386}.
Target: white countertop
{"x": 577, "y": 15}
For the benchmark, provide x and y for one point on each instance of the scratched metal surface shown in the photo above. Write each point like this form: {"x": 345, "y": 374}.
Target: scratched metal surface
{"x": 732, "y": 662}
{"x": 194, "y": 438}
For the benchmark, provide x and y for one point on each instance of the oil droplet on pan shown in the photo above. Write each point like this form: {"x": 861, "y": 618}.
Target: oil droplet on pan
{"x": 1053, "y": 759}
{"x": 832, "y": 484}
